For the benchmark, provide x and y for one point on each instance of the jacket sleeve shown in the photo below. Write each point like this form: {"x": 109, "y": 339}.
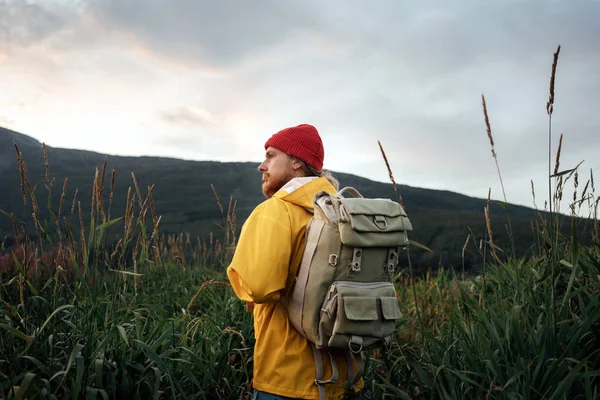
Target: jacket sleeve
{"x": 260, "y": 265}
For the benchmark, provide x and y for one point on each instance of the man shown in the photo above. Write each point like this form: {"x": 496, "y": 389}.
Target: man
{"x": 266, "y": 261}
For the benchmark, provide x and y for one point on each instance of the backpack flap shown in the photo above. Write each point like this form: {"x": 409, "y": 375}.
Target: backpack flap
{"x": 373, "y": 223}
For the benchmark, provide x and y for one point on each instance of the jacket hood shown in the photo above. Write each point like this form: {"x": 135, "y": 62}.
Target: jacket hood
{"x": 303, "y": 196}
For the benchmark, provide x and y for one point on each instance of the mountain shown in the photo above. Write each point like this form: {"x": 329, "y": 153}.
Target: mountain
{"x": 183, "y": 196}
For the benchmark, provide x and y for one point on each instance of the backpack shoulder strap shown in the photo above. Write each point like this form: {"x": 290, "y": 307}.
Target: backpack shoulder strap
{"x": 351, "y": 190}
{"x": 319, "y": 371}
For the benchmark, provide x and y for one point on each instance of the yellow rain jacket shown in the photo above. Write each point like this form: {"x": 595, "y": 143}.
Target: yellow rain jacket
{"x": 265, "y": 263}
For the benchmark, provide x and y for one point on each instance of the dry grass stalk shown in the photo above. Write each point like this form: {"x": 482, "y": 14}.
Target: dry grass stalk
{"x": 129, "y": 212}
{"x": 34, "y": 202}
{"x": 82, "y": 230}
{"x": 155, "y": 232}
{"x": 193, "y": 328}
{"x": 534, "y": 202}
{"x": 116, "y": 250}
{"x": 94, "y": 193}
{"x": 575, "y": 185}
{"x": 387, "y": 164}
{"x": 550, "y": 103}
{"x": 202, "y": 287}
{"x": 70, "y": 235}
{"x": 491, "y": 138}
{"x": 180, "y": 260}
{"x": 585, "y": 189}
{"x": 15, "y": 230}
{"x": 22, "y": 171}
{"x": 487, "y": 125}
{"x": 465, "y": 247}
{"x": 100, "y": 191}
{"x": 489, "y": 230}
{"x": 151, "y": 201}
{"x": 230, "y": 329}
{"x": 144, "y": 210}
{"x": 596, "y": 216}
{"x": 74, "y": 201}
{"x": 557, "y": 163}
{"x": 112, "y": 191}
{"x": 62, "y": 197}
{"x": 218, "y": 248}
{"x": 57, "y": 223}
{"x": 584, "y": 193}
{"x": 559, "y": 190}
{"x": 46, "y": 165}
{"x": 232, "y": 226}
{"x": 57, "y": 274}
{"x": 22, "y": 290}
{"x": 36, "y": 222}
{"x": 228, "y": 226}
{"x": 488, "y": 224}
{"x": 137, "y": 190}
{"x": 217, "y": 197}
{"x": 136, "y": 278}
{"x": 229, "y": 206}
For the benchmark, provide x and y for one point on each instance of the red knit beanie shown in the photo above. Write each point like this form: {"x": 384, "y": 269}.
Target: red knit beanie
{"x": 302, "y": 141}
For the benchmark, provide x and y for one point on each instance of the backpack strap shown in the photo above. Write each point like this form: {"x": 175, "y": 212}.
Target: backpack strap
{"x": 350, "y": 190}
{"x": 319, "y": 369}
{"x": 354, "y": 374}
{"x": 295, "y": 303}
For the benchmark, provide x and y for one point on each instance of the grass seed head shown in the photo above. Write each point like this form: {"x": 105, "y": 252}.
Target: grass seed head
{"x": 550, "y": 103}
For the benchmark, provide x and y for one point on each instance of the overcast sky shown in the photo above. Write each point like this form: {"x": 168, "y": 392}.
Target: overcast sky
{"x": 212, "y": 80}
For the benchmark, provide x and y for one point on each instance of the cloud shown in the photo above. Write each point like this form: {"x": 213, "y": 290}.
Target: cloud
{"x": 221, "y": 34}
{"x": 5, "y": 121}
{"x": 25, "y": 23}
{"x": 188, "y": 116}
{"x": 214, "y": 79}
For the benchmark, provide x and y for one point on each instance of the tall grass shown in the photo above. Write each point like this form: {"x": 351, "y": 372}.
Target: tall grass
{"x": 529, "y": 329}
{"x": 152, "y": 315}
{"x": 147, "y": 317}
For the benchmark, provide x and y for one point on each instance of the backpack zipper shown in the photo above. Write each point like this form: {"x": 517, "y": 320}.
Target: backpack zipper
{"x": 357, "y": 285}
{"x": 366, "y": 285}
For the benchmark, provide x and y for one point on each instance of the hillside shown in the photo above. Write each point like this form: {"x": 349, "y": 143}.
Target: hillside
{"x": 184, "y": 198}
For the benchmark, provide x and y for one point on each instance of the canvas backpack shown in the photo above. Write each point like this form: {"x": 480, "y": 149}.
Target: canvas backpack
{"x": 343, "y": 299}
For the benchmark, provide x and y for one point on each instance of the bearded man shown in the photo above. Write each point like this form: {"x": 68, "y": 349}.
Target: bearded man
{"x": 267, "y": 258}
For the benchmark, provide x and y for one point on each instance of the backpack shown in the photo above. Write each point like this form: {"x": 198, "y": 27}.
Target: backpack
{"x": 343, "y": 299}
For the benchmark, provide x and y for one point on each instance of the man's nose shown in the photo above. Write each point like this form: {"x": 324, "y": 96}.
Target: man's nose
{"x": 261, "y": 167}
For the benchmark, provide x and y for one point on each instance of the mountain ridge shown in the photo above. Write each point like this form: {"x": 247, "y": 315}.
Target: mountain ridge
{"x": 184, "y": 194}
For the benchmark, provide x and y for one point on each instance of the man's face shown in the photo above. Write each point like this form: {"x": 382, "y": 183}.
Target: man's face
{"x": 277, "y": 169}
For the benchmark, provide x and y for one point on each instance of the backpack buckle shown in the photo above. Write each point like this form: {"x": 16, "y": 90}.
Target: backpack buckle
{"x": 355, "y": 344}
{"x": 333, "y": 260}
{"x": 380, "y": 222}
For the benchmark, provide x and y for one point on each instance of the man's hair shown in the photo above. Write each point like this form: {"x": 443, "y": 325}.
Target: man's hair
{"x": 311, "y": 171}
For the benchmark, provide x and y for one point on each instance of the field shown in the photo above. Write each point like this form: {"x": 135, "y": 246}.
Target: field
{"x": 153, "y": 316}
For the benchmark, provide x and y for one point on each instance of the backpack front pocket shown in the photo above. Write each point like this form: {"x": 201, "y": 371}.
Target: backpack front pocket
{"x": 358, "y": 315}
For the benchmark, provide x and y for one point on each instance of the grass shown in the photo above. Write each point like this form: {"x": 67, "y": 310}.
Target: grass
{"x": 152, "y": 316}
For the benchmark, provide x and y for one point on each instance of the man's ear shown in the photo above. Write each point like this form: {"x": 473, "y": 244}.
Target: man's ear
{"x": 296, "y": 164}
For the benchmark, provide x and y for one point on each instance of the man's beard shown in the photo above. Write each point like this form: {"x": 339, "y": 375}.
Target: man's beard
{"x": 272, "y": 184}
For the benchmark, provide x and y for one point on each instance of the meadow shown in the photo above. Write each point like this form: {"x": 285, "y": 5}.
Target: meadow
{"x": 153, "y": 316}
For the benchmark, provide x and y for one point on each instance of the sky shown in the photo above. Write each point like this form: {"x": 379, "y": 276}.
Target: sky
{"x": 213, "y": 80}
